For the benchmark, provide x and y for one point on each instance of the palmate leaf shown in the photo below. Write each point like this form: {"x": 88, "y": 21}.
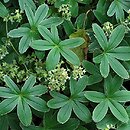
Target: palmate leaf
{"x": 24, "y": 99}
{"x": 118, "y": 111}
{"x": 38, "y": 22}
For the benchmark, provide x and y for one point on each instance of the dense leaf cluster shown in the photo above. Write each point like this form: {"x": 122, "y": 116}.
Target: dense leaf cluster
{"x": 70, "y": 60}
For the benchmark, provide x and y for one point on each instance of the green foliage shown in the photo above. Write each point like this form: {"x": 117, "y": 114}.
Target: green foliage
{"x": 109, "y": 100}
{"x": 67, "y": 104}
{"x": 24, "y": 98}
{"x": 77, "y": 52}
{"x": 110, "y": 54}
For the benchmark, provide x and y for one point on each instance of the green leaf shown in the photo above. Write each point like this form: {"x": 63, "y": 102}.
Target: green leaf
{"x": 95, "y": 96}
{"x": 116, "y": 37}
{"x": 37, "y": 103}
{"x": 38, "y": 90}
{"x": 112, "y": 84}
{"x": 19, "y": 32}
{"x": 117, "y": 8}
{"x": 118, "y": 111}
{"x": 42, "y": 45}
{"x": 6, "y": 92}
{"x": 90, "y": 67}
{"x": 58, "y": 95}
{"x": 72, "y": 43}
{"x": 82, "y": 112}
{"x": 3, "y": 11}
{"x": 100, "y": 111}
{"x": 104, "y": 66}
{"x": 98, "y": 59}
{"x": 57, "y": 103}
{"x": 24, "y": 112}
{"x": 8, "y": 105}
{"x": 29, "y": 83}
{"x": 108, "y": 120}
{"x": 70, "y": 56}
{"x": 30, "y": 3}
{"x": 53, "y": 59}
{"x": 24, "y": 43}
{"x": 4, "y": 123}
{"x": 51, "y": 21}
{"x": 100, "y": 36}
{"x": 68, "y": 27}
{"x": 121, "y": 96}
{"x": 118, "y": 68}
{"x": 81, "y": 84}
{"x": 121, "y": 53}
{"x": 73, "y": 85}
{"x": 46, "y": 34}
{"x": 124, "y": 126}
{"x": 93, "y": 79}
{"x": 29, "y": 14}
{"x": 10, "y": 83}
{"x": 41, "y": 13}
{"x": 55, "y": 35}
{"x": 64, "y": 113}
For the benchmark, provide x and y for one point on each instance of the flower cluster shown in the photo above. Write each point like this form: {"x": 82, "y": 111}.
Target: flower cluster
{"x": 14, "y": 17}
{"x": 64, "y": 9}
{"x": 108, "y": 28}
{"x": 3, "y": 51}
{"x": 12, "y": 70}
{"x": 51, "y": 1}
{"x": 127, "y": 22}
{"x": 110, "y": 127}
{"x": 78, "y": 72}
{"x": 57, "y": 78}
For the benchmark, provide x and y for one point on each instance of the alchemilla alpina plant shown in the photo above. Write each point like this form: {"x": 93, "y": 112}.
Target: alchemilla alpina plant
{"x": 64, "y": 64}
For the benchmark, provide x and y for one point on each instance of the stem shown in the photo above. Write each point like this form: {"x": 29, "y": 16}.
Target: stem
{"x": 85, "y": 18}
